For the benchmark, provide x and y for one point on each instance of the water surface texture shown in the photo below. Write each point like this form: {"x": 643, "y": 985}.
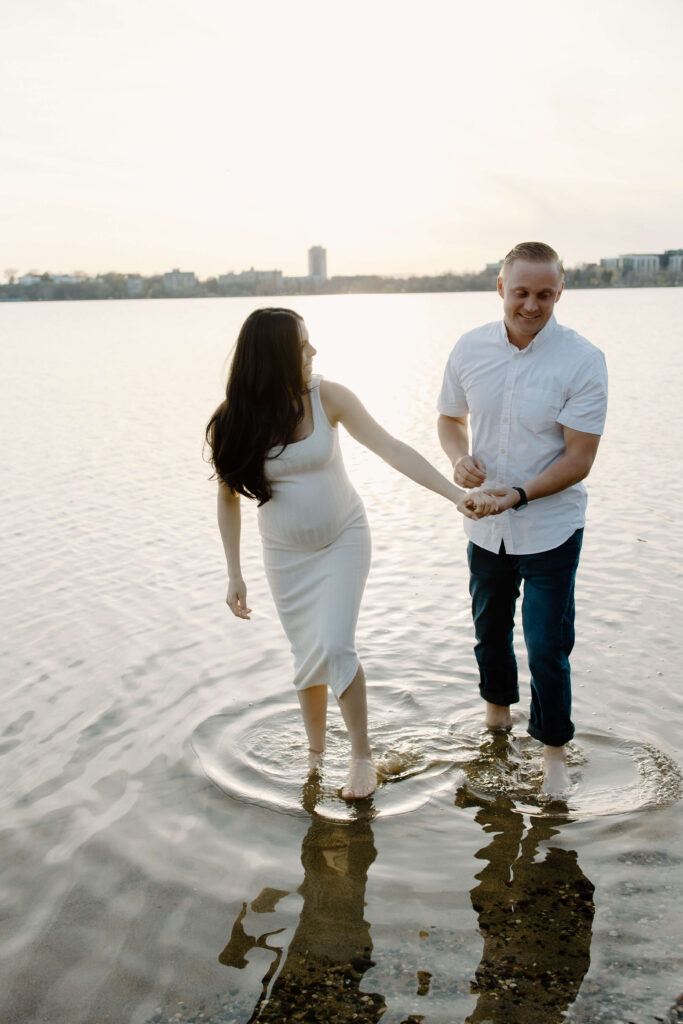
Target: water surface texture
{"x": 163, "y": 856}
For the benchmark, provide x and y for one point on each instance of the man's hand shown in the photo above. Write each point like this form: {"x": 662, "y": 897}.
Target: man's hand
{"x": 469, "y": 472}
{"x": 504, "y": 498}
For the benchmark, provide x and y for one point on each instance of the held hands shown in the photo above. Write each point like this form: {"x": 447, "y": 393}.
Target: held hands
{"x": 470, "y": 472}
{"x": 478, "y": 504}
{"x": 237, "y": 598}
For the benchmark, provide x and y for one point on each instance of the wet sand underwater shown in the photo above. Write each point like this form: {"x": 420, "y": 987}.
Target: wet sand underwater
{"x": 164, "y": 857}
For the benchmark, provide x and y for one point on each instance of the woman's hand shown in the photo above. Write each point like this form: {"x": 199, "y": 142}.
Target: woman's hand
{"x": 237, "y": 598}
{"x": 478, "y": 504}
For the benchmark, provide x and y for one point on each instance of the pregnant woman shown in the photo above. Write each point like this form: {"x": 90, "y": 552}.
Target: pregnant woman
{"x": 275, "y": 439}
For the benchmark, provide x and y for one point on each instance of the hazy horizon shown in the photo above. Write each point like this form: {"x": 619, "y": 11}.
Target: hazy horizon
{"x": 263, "y": 266}
{"x": 406, "y": 140}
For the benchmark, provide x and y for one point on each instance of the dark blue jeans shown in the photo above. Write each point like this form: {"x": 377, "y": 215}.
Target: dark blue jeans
{"x": 548, "y": 623}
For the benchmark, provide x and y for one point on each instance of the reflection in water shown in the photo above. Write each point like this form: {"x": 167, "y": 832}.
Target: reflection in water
{"x": 535, "y": 918}
{"x": 320, "y": 976}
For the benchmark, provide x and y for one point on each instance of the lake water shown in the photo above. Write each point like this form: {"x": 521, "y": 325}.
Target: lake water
{"x": 162, "y": 859}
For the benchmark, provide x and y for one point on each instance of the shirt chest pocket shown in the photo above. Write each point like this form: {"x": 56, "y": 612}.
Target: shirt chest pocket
{"x": 538, "y": 408}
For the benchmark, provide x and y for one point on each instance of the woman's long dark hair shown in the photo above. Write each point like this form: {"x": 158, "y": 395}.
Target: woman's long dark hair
{"x": 263, "y": 405}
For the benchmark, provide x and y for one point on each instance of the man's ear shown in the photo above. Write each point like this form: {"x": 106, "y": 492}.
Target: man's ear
{"x": 500, "y": 286}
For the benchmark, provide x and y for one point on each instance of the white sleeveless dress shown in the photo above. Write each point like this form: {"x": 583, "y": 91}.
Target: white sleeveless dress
{"x": 316, "y": 553}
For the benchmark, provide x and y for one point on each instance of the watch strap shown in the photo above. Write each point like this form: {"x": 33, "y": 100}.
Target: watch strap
{"x": 523, "y": 500}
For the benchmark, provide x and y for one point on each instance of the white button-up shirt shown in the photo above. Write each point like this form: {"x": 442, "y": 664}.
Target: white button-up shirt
{"x": 518, "y": 401}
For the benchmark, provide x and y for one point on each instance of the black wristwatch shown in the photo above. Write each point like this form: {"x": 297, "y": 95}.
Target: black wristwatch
{"x": 523, "y": 500}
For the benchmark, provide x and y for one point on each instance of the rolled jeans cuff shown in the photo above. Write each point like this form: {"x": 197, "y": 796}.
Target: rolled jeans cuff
{"x": 550, "y": 740}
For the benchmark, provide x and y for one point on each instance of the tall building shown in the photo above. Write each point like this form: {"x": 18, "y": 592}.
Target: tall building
{"x": 317, "y": 262}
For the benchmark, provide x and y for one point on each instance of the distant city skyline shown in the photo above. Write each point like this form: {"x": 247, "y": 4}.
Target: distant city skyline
{"x": 412, "y": 139}
{"x": 177, "y": 281}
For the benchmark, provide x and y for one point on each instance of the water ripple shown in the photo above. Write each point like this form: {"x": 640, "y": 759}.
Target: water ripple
{"x": 258, "y": 754}
{"x": 609, "y": 774}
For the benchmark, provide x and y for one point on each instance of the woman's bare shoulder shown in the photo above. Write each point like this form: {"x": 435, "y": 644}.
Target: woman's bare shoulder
{"x": 335, "y": 398}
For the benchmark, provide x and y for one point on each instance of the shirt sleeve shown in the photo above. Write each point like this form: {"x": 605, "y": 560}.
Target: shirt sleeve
{"x": 452, "y": 401}
{"x": 586, "y": 407}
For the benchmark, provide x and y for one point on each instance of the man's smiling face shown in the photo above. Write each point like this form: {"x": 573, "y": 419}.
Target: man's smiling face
{"x": 529, "y": 291}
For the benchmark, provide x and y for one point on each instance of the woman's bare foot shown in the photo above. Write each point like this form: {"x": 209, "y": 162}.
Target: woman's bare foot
{"x": 362, "y": 780}
{"x": 556, "y": 781}
{"x": 362, "y": 777}
{"x": 315, "y": 759}
{"x": 498, "y": 717}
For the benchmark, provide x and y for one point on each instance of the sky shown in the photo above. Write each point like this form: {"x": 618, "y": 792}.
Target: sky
{"x": 405, "y": 137}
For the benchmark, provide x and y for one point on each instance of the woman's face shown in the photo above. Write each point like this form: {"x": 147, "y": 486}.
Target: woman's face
{"x": 307, "y": 352}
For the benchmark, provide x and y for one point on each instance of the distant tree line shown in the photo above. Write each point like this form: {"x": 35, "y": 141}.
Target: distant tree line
{"x": 105, "y": 286}
{"x": 127, "y": 286}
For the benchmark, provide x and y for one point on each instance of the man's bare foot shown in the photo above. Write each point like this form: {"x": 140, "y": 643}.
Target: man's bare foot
{"x": 362, "y": 780}
{"x": 498, "y": 717}
{"x": 556, "y": 781}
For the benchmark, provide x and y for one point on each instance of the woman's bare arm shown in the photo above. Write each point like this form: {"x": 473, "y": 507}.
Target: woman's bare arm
{"x": 342, "y": 406}
{"x": 230, "y": 526}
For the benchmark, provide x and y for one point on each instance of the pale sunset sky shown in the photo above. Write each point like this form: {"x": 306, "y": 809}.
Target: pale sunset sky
{"x": 405, "y": 137}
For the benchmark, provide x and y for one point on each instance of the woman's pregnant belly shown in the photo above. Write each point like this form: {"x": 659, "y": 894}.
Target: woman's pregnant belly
{"x": 308, "y": 511}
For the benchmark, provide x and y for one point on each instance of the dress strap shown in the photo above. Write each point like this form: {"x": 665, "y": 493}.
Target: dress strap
{"x": 317, "y": 402}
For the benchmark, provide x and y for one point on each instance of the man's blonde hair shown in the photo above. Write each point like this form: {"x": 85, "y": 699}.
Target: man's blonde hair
{"x": 535, "y": 252}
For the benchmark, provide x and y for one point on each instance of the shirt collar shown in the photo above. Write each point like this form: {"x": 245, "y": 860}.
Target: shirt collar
{"x": 536, "y": 342}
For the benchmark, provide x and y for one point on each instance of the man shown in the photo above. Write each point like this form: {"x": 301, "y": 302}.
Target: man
{"x": 536, "y": 394}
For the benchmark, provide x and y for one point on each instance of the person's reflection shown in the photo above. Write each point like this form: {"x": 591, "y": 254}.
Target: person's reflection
{"x": 320, "y": 976}
{"x": 535, "y": 917}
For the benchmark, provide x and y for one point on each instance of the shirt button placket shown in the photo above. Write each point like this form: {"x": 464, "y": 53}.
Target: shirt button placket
{"x": 504, "y": 445}
{"x": 505, "y": 418}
